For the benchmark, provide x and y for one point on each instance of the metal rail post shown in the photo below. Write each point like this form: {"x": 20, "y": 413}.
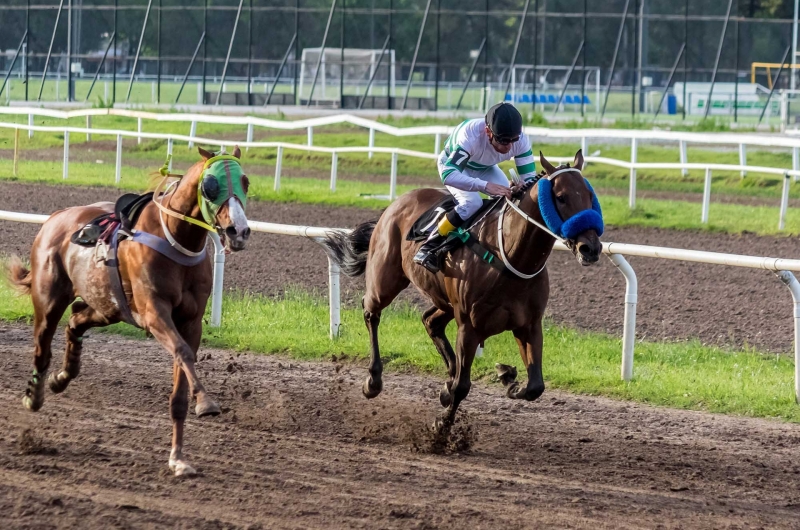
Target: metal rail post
{"x": 784, "y": 202}
{"x": 632, "y": 185}
{"x": 334, "y": 167}
{"x": 65, "y": 172}
{"x": 334, "y": 298}
{"x": 219, "y": 274}
{"x": 791, "y": 282}
{"x": 706, "y": 197}
{"x": 230, "y": 48}
{"x": 631, "y": 299}
{"x": 278, "y": 163}
{"x": 118, "y": 170}
{"x": 393, "y": 179}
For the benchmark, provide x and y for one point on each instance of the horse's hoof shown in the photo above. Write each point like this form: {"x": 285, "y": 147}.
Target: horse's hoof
{"x": 30, "y": 404}
{"x": 181, "y": 468}
{"x": 507, "y": 374}
{"x": 370, "y": 389}
{"x": 445, "y": 397}
{"x": 207, "y": 407}
{"x": 56, "y": 384}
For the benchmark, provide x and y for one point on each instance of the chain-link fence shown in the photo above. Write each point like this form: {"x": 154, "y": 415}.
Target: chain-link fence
{"x": 615, "y": 57}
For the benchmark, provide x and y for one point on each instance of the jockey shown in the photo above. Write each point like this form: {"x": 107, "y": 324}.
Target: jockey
{"x": 468, "y": 165}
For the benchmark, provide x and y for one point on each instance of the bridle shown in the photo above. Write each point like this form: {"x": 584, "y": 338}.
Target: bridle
{"x": 529, "y": 219}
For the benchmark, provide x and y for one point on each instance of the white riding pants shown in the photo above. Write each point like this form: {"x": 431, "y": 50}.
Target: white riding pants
{"x": 469, "y": 202}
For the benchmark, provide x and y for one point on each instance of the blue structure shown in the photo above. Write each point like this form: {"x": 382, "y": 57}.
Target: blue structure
{"x": 549, "y": 99}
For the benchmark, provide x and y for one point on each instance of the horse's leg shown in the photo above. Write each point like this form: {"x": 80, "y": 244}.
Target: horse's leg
{"x": 159, "y": 323}
{"x": 466, "y": 345}
{"x": 436, "y": 321}
{"x": 191, "y": 331}
{"x": 83, "y": 318}
{"x": 377, "y": 297}
{"x": 529, "y": 340}
{"x": 49, "y": 304}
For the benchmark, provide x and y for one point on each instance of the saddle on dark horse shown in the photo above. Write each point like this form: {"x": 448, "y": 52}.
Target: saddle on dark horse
{"x": 429, "y": 220}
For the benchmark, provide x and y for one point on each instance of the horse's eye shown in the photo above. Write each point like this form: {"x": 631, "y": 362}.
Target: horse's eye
{"x": 210, "y": 188}
{"x": 561, "y": 199}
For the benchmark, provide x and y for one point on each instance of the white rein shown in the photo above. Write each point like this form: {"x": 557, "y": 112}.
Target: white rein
{"x": 530, "y": 220}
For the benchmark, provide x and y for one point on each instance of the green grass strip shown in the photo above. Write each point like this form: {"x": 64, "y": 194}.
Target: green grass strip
{"x": 684, "y": 375}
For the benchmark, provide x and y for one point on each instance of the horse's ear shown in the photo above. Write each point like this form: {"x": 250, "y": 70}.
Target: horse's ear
{"x": 578, "y": 162}
{"x": 548, "y": 167}
{"x": 237, "y": 152}
{"x": 205, "y": 154}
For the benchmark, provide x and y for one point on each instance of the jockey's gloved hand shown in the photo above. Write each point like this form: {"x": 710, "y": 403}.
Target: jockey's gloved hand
{"x": 498, "y": 190}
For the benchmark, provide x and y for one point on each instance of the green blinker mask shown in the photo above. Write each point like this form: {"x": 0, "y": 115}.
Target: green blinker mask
{"x": 223, "y": 178}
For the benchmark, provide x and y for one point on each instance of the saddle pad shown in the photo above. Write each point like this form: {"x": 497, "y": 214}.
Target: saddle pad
{"x": 422, "y": 226}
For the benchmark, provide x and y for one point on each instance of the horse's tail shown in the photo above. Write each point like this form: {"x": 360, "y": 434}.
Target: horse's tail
{"x": 349, "y": 250}
{"x": 19, "y": 277}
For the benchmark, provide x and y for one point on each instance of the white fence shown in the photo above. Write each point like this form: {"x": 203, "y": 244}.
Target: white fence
{"x": 582, "y": 134}
{"x": 615, "y": 251}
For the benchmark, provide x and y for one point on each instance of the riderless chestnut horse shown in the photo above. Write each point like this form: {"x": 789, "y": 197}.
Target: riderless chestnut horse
{"x": 484, "y": 297}
{"x": 159, "y": 278}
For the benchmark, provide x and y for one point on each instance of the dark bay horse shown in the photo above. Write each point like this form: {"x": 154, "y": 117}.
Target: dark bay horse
{"x": 483, "y": 300}
{"x": 164, "y": 297}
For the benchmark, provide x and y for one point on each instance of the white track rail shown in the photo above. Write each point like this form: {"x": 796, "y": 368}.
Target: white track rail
{"x": 633, "y": 166}
{"x": 783, "y": 268}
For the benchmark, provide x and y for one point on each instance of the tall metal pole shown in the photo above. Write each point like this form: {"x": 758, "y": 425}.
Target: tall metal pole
{"x": 669, "y": 81}
{"x": 775, "y": 84}
{"x": 204, "y": 40}
{"x": 794, "y": 44}
{"x": 116, "y": 59}
{"x": 416, "y": 52}
{"x": 535, "y": 52}
{"x": 635, "y": 54}
{"x": 341, "y": 59}
{"x": 569, "y": 75}
{"x": 296, "y": 49}
{"x": 189, "y": 69}
{"x": 99, "y": 68}
{"x": 471, "y": 71}
{"x": 736, "y": 79}
{"x": 583, "y": 60}
{"x": 716, "y": 61}
{"x": 250, "y": 53}
{"x": 138, "y": 49}
{"x": 13, "y": 62}
{"x": 230, "y": 48}
{"x": 438, "y": 58}
{"x": 50, "y": 50}
{"x": 616, "y": 54}
{"x": 685, "y": 55}
{"x": 516, "y": 47}
{"x": 640, "y": 55}
{"x": 27, "y": 45}
{"x": 158, "y": 55}
{"x": 391, "y": 63}
{"x": 321, "y": 52}
{"x": 280, "y": 68}
{"x": 486, "y": 57}
{"x": 374, "y": 73}
{"x": 69, "y": 51}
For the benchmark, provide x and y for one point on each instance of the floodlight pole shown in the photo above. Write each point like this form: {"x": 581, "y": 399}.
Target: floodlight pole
{"x": 716, "y": 62}
{"x": 341, "y": 58}
{"x": 205, "y": 50}
{"x": 438, "y": 57}
{"x": 27, "y": 45}
{"x": 280, "y": 68}
{"x": 116, "y": 59}
{"x": 250, "y": 53}
{"x": 685, "y": 55}
{"x": 535, "y": 51}
{"x": 69, "y": 50}
{"x": 230, "y": 48}
{"x": 50, "y": 49}
{"x": 616, "y": 54}
{"x": 321, "y": 52}
{"x": 158, "y": 54}
{"x": 416, "y": 52}
{"x": 296, "y": 49}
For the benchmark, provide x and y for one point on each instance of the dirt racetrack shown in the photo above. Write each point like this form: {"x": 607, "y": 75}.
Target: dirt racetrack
{"x": 298, "y": 447}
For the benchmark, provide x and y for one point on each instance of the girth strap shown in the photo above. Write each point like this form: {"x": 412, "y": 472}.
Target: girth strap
{"x": 115, "y": 279}
{"x": 479, "y": 250}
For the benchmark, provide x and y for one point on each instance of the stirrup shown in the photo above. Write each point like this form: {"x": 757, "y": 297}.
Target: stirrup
{"x": 428, "y": 260}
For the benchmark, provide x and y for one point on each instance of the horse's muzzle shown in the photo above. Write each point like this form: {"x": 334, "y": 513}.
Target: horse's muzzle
{"x": 588, "y": 254}
{"x": 237, "y": 237}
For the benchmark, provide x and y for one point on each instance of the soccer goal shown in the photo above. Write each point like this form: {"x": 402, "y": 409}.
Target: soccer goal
{"x": 357, "y": 69}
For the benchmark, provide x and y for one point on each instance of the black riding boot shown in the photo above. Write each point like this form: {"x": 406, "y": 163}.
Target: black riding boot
{"x": 426, "y": 256}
